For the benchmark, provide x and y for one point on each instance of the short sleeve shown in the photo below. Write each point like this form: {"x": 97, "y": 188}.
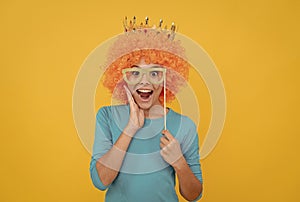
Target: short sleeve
{"x": 190, "y": 150}
{"x": 102, "y": 144}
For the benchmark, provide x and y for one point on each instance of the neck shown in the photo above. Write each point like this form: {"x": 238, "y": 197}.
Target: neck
{"x": 156, "y": 111}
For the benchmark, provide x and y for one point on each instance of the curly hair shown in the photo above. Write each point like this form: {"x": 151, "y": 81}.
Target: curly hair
{"x": 153, "y": 48}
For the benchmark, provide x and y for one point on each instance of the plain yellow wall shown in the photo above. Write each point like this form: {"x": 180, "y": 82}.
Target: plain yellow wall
{"x": 255, "y": 45}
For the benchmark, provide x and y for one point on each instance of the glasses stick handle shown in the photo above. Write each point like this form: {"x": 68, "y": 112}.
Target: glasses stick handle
{"x": 165, "y": 106}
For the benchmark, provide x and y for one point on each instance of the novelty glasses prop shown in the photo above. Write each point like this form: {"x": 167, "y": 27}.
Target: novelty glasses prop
{"x": 154, "y": 75}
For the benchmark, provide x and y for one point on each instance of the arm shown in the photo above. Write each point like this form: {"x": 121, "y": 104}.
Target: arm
{"x": 108, "y": 166}
{"x": 189, "y": 185}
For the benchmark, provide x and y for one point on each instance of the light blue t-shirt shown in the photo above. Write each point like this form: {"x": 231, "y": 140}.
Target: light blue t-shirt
{"x": 144, "y": 175}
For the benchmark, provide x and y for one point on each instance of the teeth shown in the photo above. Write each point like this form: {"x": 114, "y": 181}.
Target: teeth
{"x": 145, "y": 91}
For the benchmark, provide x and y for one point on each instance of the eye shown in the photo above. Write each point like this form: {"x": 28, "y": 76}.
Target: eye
{"x": 154, "y": 73}
{"x": 135, "y": 73}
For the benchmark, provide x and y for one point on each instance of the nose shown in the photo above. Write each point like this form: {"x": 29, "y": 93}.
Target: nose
{"x": 144, "y": 80}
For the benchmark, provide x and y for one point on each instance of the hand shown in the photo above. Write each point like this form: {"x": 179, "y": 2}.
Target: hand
{"x": 170, "y": 148}
{"x": 136, "y": 118}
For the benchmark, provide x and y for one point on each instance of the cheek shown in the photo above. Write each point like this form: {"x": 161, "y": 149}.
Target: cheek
{"x": 157, "y": 86}
{"x": 158, "y": 89}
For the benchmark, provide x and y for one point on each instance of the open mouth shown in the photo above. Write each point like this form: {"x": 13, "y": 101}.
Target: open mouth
{"x": 144, "y": 93}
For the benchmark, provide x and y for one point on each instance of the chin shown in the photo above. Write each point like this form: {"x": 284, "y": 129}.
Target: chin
{"x": 144, "y": 105}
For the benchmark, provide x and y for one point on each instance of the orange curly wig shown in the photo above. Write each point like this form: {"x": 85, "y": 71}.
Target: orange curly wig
{"x": 153, "y": 48}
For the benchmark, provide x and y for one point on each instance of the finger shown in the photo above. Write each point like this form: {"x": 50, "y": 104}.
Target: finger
{"x": 129, "y": 96}
{"x": 168, "y": 134}
{"x": 162, "y": 153}
{"x": 162, "y": 145}
{"x": 164, "y": 140}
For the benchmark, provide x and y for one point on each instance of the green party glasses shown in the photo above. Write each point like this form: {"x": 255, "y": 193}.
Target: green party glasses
{"x": 134, "y": 75}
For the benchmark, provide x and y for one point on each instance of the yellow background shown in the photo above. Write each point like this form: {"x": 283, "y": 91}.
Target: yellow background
{"x": 255, "y": 45}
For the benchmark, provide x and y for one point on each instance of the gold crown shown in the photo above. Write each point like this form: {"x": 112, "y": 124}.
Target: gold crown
{"x": 132, "y": 26}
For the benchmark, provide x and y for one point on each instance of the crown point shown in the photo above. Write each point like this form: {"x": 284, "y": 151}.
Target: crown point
{"x": 125, "y": 24}
{"x": 146, "y": 20}
{"x": 160, "y": 22}
{"x": 173, "y": 27}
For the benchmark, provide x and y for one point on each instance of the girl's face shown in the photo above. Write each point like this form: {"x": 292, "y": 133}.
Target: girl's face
{"x": 145, "y": 93}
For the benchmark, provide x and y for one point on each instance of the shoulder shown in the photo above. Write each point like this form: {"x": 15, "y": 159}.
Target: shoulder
{"x": 107, "y": 111}
{"x": 185, "y": 121}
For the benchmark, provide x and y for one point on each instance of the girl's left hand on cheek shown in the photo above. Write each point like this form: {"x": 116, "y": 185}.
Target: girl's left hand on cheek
{"x": 170, "y": 148}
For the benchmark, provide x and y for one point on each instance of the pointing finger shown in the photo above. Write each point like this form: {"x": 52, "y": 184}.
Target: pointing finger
{"x": 168, "y": 134}
{"x": 164, "y": 140}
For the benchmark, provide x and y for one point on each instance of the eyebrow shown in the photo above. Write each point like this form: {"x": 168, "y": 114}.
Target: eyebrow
{"x": 141, "y": 67}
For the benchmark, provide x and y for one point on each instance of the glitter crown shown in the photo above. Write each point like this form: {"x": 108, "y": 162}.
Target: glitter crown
{"x": 132, "y": 26}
